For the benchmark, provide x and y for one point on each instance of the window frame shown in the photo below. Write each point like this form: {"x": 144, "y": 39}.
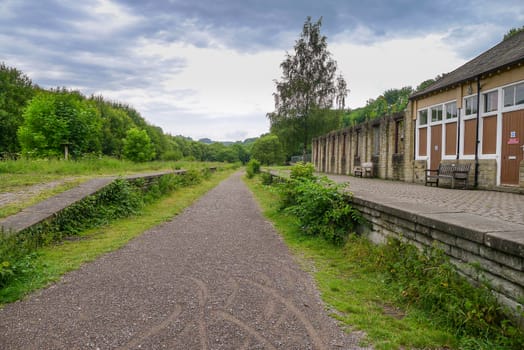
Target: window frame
{"x": 473, "y": 98}
{"x": 419, "y": 117}
{"x": 487, "y": 97}
{"x": 437, "y": 108}
{"x": 446, "y": 119}
{"x": 513, "y": 106}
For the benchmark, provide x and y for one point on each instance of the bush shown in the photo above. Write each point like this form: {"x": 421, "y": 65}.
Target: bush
{"x": 267, "y": 178}
{"x": 252, "y": 168}
{"x": 302, "y": 171}
{"x": 321, "y": 206}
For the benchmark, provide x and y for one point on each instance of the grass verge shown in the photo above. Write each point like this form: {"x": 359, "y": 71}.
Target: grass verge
{"x": 355, "y": 291}
{"x": 47, "y": 264}
{"x": 30, "y": 181}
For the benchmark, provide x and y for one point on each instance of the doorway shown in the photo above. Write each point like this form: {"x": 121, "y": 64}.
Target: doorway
{"x": 435, "y": 154}
{"x": 512, "y": 146}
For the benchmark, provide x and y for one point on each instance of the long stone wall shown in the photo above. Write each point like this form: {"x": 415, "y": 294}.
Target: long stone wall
{"x": 387, "y": 142}
{"x": 496, "y": 251}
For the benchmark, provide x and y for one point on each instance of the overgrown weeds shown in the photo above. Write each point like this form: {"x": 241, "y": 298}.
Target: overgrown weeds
{"x": 120, "y": 199}
{"x": 439, "y": 308}
{"x": 428, "y": 281}
{"x": 252, "y": 168}
{"x": 321, "y": 206}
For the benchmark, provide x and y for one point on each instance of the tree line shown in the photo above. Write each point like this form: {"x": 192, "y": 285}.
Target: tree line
{"x": 41, "y": 123}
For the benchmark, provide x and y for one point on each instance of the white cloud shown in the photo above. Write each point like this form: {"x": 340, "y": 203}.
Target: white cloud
{"x": 106, "y": 17}
{"x": 371, "y": 69}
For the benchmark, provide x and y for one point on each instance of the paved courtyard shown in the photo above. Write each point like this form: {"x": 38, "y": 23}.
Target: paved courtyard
{"x": 504, "y": 206}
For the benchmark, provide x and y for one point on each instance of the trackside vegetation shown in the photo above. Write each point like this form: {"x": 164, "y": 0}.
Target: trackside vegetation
{"x": 21, "y": 253}
{"x": 399, "y": 296}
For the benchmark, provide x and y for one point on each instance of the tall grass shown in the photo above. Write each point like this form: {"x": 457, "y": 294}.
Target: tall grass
{"x": 90, "y": 166}
{"x": 31, "y": 260}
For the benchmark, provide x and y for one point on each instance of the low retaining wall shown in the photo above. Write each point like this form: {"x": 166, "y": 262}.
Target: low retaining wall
{"x": 47, "y": 209}
{"x": 482, "y": 248}
{"x": 494, "y": 253}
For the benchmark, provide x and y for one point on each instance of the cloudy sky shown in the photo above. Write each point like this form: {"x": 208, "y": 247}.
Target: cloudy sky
{"x": 206, "y": 68}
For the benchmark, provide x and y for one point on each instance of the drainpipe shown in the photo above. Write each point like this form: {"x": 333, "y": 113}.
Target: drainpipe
{"x": 477, "y": 141}
{"x": 458, "y": 133}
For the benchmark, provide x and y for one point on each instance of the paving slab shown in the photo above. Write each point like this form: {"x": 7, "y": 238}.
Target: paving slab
{"x": 472, "y": 213}
{"x": 217, "y": 276}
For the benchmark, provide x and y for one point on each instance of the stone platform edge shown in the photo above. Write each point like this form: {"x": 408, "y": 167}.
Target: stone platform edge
{"x": 482, "y": 248}
{"x": 486, "y": 249}
{"x": 48, "y": 208}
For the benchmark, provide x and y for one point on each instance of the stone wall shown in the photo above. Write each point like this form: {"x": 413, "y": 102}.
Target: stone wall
{"x": 498, "y": 259}
{"x": 386, "y": 142}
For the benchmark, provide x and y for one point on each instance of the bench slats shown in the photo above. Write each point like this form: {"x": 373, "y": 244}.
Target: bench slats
{"x": 453, "y": 172}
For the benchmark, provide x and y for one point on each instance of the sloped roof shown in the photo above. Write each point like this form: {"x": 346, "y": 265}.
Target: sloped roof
{"x": 506, "y": 53}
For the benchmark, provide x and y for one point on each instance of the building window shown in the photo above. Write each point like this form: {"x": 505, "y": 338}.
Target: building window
{"x": 491, "y": 100}
{"x": 423, "y": 117}
{"x": 471, "y": 105}
{"x": 514, "y": 95}
{"x": 451, "y": 110}
{"x": 436, "y": 114}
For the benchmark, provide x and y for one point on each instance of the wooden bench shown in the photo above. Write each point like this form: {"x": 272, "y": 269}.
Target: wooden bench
{"x": 453, "y": 172}
{"x": 364, "y": 170}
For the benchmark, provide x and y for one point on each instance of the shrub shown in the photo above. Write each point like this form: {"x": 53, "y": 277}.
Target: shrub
{"x": 302, "y": 171}
{"x": 321, "y": 206}
{"x": 267, "y": 178}
{"x": 252, "y": 168}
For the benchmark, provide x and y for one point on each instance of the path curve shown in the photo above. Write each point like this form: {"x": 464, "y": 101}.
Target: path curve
{"x": 215, "y": 277}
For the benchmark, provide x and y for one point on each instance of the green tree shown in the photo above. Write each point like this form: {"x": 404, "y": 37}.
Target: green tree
{"x": 320, "y": 122}
{"x": 391, "y": 101}
{"x": 55, "y": 118}
{"x": 115, "y": 123}
{"x": 241, "y": 151}
{"x": 308, "y": 82}
{"x": 268, "y": 150}
{"x": 138, "y": 146}
{"x": 16, "y": 89}
{"x": 512, "y": 32}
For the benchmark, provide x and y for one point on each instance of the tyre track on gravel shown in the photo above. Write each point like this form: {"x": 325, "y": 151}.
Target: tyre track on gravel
{"x": 217, "y": 276}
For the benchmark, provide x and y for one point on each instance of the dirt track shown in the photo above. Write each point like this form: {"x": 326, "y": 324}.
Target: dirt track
{"x": 215, "y": 277}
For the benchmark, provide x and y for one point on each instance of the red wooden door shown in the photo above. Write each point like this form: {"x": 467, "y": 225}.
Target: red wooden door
{"x": 512, "y": 146}
{"x": 435, "y": 155}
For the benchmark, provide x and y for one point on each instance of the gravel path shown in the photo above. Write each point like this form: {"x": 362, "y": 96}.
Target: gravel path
{"x": 215, "y": 277}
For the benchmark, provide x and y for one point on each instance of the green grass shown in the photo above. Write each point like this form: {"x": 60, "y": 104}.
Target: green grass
{"x": 353, "y": 291}
{"x": 20, "y": 175}
{"x": 24, "y": 201}
{"x": 47, "y": 264}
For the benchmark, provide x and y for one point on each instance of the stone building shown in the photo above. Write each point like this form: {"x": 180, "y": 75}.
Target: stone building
{"x": 385, "y": 142}
{"x": 474, "y": 114}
